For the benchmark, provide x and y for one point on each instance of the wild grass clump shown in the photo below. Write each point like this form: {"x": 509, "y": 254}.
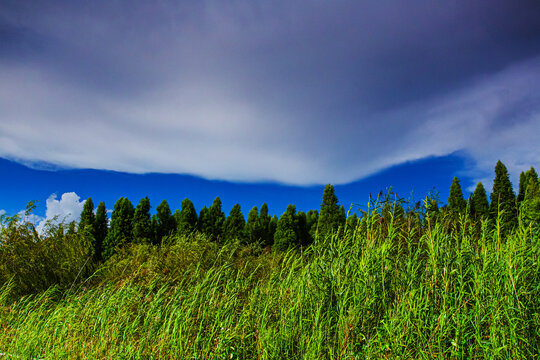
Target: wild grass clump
{"x": 455, "y": 289}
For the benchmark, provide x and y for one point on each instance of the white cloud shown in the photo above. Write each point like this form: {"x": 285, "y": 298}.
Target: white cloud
{"x": 67, "y": 209}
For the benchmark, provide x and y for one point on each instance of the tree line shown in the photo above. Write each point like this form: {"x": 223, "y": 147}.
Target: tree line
{"x": 129, "y": 224}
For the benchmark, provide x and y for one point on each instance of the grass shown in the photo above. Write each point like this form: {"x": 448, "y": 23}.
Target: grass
{"x": 379, "y": 292}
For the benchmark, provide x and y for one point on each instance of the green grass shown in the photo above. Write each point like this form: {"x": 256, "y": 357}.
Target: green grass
{"x": 378, "y": 292}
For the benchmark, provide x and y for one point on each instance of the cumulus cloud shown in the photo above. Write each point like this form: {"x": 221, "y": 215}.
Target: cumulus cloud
{"x": 66, "y": 209}
{"x": 293, "y": 91}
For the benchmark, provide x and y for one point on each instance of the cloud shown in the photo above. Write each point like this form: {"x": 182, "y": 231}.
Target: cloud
{"x": 297, "y": 92}
{"x": 67, "y": 209}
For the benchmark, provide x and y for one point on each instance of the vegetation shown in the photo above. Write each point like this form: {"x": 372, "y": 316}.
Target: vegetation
{"x": 394, "y": 280}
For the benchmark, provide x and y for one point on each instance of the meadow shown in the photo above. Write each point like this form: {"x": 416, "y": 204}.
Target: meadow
{"x": 442, "y": 287}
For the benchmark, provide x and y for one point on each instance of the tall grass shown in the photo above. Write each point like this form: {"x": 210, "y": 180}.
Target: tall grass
{"x": 457, "y": 290}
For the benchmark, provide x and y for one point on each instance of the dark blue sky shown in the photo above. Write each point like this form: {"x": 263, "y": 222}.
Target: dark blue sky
{"x": 350, "y": 92}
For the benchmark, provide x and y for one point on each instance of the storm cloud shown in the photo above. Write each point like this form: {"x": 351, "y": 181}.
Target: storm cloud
{"x": 300, "y": 92}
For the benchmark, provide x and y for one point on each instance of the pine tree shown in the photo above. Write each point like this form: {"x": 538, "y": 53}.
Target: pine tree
{"x": 166, "y": 225}
{"x": 234, "y": 224}
{"x": 272, "y": 227}
{"x": 254, "y": 227}
{"x": 187, "y": 219}
{"x": 204, "y": 224}
{"x": 121, "y": 229}
{"x": 456, "y": 203}
{"x": 312, "y": 218}
{"x": 503, "y": 200}
{"x": 217, "y": 219}
{"x": 286, "y": 230}
{"x": 142, "y": 223}
{"x": 522, "y": 187}
{"x": 101, "y": 227}
{"x": 330, "y": 215}
{"x": 478, "y": 203}
{"x": 87, "y": 216}
{"x": 304, "y": 238}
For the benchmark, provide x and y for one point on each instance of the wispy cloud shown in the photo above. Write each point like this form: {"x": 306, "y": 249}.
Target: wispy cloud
{"x": 296, "y": 92}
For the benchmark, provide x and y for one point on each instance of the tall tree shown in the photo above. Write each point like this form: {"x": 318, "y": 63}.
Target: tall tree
{"x": 303, "y": 235}
{"x": 272, "y": 228}
{"x": 522, "y": 187}
{"x": 87, "y": 216}
{"x": 121, "y": 230}
{"x": 187, "y": 219}
{"x": 478, "y": 203}
{"x": 287, "y": 230}
{"x": 101, "y": 227}
{"x": 330, "y": 215}
{"x": 456, "y": 203}
{"x": 234, "y": 225}
{"x": 142, "y": 223}
{"x": 254, "y": 228}
{"x": 166, "y": 224}
{"x": 265, "y": 219}
{"x": 531, "y": 203}
{"x": 503, "y": 200}
{"x": 204, "y": 224}
{"x": 217, "y": 219}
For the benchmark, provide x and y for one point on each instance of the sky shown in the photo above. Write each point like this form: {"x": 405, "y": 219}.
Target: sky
{"x": 249, "y": 98}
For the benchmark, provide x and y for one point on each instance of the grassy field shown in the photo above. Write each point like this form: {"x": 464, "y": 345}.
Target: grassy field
{"x": 380, "y": 291}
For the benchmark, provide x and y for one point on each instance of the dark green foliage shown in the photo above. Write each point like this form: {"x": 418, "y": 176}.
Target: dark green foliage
{"x": 255, "y": 232}
{"x": 352, "y": 223}
{"x": 204, "y": 225}
{"x": 286, "y": 234}
{"x": 456, "y": 203}
{"x": 478, "y": 203}
{"x": 216, "y": 219}
{"x": 503, "y": 200}
{"x": 234, "y": 224}
{"x": 522, "y": 187}
{"x": 304, "y": 238}
{"x": 312, "y": 218}
{"x": 166, "y": 225}
{"x": 187, "y": 218}
{"x": 272, "y": 228}
{"x": 87, "y": 216}
{"x": 101, "y": 227}
{"x": 531, "y": 202}
{"x": 121, "y": 229}
{"x": 330, "y": 216}
{"x": 142, "y": 223}
{"x": 265, "y": 219}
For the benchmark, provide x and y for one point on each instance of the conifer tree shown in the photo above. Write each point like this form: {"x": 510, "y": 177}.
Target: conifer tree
{"x": 87, "y": 216}
{"x": 531, "y": 203}
{"x": 234, "y": 225}
{"x": 352, "y": 223}
{"x": 304, "y": 238}
{"x": 166, "y": 224}
{"x": 330, "y": 215}
{"x": 204, "y": 224}
{"x": 142, "y": 223}
{"x": 478, "y": 203}
{"x": 265, "y": 219}
{"x": 101, "y": 227}
{"x": 522, "y": 186}
{"x": 121, "y": 229}
{"x": 312, "y": 218}
{"x": 217, "y": 219}
{"x": 254, "y": 227}
{"x": 503, "y": 200}
{"x": 187, "y": 219}
{"x": 286, "y": 230}
{"x": 456, "y": 203}
{"x": 272, "y": 227}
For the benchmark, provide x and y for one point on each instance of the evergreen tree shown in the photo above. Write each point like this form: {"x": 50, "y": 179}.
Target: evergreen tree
{"x": 265, "y": 219}
{"x": 531, "y": 202}
{"x": 187, "y": 219}
{"x": 101, "y": 227}
{"x": 286, "y": 230}
{"x": 142, "y": 223}
{"x": 503, "y": 200}
{"x": 217, "y": 219}
{"x": 272, "y": 227}
{"x": 312, "y": 218}
{"x": 330, "y": 215}
{"x": 522, "y": 186}
{"x": 204, "y": 224}
{"x": 254, "y": 227}
{"x": 478, "y": 202}
{"x": 234, "y": 225}
{"x": 87, "y": 216}
{"x": 304, "y": 238}
{"x": 121, "y": 230}
{"x": 352, "y": 223}
{"x": 456, "y": 203}
{"x": 166, "y": 225}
